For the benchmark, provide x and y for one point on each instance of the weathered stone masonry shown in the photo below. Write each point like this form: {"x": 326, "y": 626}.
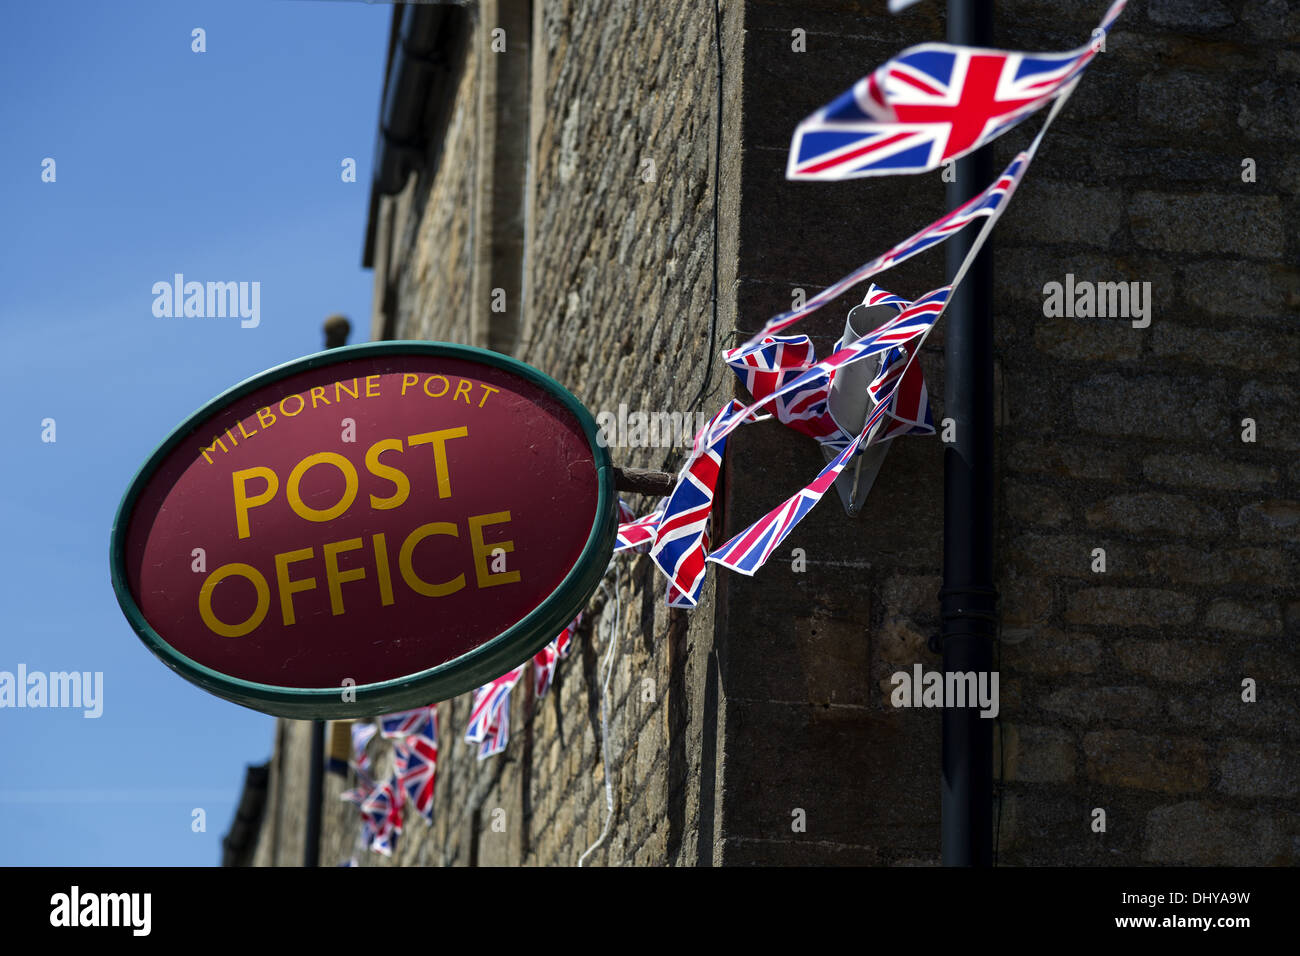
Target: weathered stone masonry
{"x": 1120, "y": 690}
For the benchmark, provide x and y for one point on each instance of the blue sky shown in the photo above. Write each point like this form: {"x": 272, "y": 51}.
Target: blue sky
{"x": 224, "y": 166}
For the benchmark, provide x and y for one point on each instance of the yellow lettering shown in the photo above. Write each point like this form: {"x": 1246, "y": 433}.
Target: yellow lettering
{"x": 304, "y": 510}
{"x": 408, "y": 379}
{"x": 417, "y": 584}
{"x": 301, "y": 404}
{"x": 463, "y": 385}
{"x": 446, "y": 384}
{"x": 243, "y": 503}
{"x": 388, "y": 473}
{"x": 216, "y": 442}
{"x": 487, "y": 389}
{"x": 205, "y": 600}
{"x": 321, "y": 396}
{"x": 372, "y": 386}
{"x": 334, "y": 578}
{"x": 381, "y": 564}
{"x": 354, "y": 392}
{"x": 263, "y": 413}
{"x": 439, "y": 441}
{"x": 483, "y": 551}
{"x": 289, "y": 588}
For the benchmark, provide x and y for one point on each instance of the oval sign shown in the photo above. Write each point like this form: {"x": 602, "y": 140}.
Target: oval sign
{"x": 365, "y": 530}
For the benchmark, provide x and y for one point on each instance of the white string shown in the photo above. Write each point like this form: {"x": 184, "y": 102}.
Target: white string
{"x": 358, "y": 847}
{"x": 615, "y": 632}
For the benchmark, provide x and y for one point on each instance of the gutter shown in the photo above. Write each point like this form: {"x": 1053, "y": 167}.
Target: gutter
{"x": 424, "y": 56}
{"x": 239, "y": 843}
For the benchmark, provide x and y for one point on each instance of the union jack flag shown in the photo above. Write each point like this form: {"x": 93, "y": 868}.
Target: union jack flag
{"x": 912, "y": 322}
{"x": 784, "y": 371}
{"x": 403, "y": 723}
{"x": 901, "y": 385}
{"x": 878, "y": 296}
{"x": 415, "y": 761}
{"x": 545, "y": 660}
{"x": 901, "y": 407}
{"x": 678, "y": 598}
{"x": 637, "y": 534}
{"x": 931, "y": 104}
{"x": 362, "y": 732}
{"x": 489, "y": 718}
{"x": 498, "y": 732}
{"x": 358, "y": 794}
{"x": 777, "y": 360}
{"x": 679, "y": 545}
{"x": 400, "y": 755}
{"x": 383, "y": 810}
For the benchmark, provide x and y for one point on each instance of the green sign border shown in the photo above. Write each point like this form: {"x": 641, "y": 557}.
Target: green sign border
{"x": 467, "y": 672}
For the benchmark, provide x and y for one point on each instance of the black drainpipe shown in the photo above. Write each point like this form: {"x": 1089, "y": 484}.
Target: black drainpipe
{"x": 968, "y": 600}
{"x": 425, "y": 48}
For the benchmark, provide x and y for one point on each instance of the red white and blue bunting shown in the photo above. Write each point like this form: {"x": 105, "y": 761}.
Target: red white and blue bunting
{"x": 928, "y": 106}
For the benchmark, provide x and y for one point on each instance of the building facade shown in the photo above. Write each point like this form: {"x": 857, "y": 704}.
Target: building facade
{"x": 545, "y": 186}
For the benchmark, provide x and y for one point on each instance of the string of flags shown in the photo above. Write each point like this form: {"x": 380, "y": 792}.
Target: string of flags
{"x": 925, "y": 107}
{"x": 489, "y": 721}
{"x": 928, "y": 106}
{"x": 932, "y": 103}
{"x": 414, "y": 734}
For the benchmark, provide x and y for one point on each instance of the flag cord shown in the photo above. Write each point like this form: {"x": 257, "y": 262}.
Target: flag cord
{"x": 358, "y": 848}
{"x": 985, "y": 229}
{"x": 614, "y": 633}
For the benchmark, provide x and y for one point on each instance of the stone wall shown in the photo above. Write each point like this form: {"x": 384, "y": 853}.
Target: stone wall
{"x": 1120, "y": 689}
{"x": 1127, "y": 689}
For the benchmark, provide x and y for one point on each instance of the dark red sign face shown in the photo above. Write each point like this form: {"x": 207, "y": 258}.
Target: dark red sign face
{"x": 368, "y": 521}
